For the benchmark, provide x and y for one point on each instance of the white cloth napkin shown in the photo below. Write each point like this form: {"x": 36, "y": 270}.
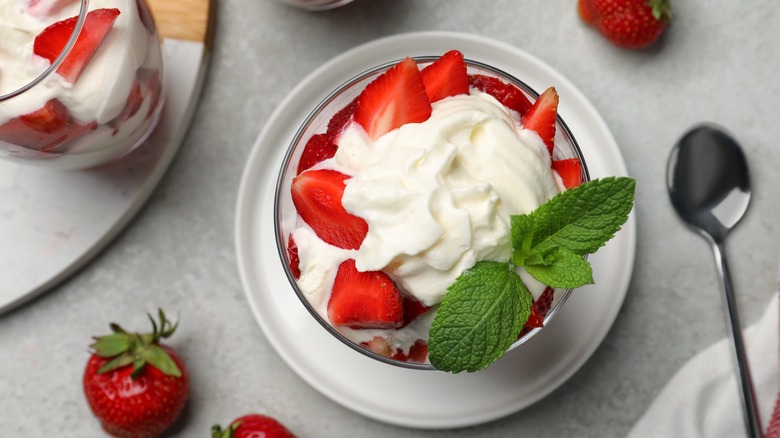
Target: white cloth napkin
{"x": 702, "y": 399}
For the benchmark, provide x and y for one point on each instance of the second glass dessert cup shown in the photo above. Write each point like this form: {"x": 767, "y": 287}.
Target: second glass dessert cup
{"x": 90, "y": 91}
{"x": 285, "y": 215}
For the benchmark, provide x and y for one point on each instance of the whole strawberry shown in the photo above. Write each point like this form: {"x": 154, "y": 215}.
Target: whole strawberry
{"x": 252, "y": 426}
{"x": 631, "y": 24}
{"x": 134, "y": 385}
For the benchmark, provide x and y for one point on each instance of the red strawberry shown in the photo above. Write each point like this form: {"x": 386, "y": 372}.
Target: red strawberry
{"x": 319, "y": 147}
{"x": 380, "y": 346}
{"x": 292, "y": 254}
{"x": 134, "y": 385}
{"x": 419, "y": 351}
{"x": 413, "y": 309}
{"x": 252, "y": 426}
{"x": 570, "y": 171}
{"x": 509, "y": 95}
{"x": 364, "y": 299}
{"x": 51, "y": 118}
{"x": 539, "y": 308}
{"x": 535, "y": 319}
{"x": 43, "y": 129}
{"x": 132, "y": 105}
{"x": 446, "y": 77}
{"x": 151, "y": 86}
{"x": 317, "y": 197}
{"x": 52, "y": 40}
{"x": 541, "y": 117}
{"x": 323, "y": 146}
{"x": 631, "y": 24}
{"x": 395, "y": 98}
{"x": 340, "y": 120}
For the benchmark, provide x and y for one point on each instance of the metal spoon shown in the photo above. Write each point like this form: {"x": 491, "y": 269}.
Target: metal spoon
{"x": 709, "y": 185}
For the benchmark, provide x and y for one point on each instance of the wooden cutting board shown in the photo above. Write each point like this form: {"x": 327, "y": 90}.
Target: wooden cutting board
{"x": 190, "y": 20}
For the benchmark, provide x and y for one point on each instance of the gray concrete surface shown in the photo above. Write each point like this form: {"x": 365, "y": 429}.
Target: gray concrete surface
{"x": 718, "y": 62}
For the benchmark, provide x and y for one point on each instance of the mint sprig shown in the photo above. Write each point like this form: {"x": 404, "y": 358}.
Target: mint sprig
{"x": 479, "y": 318}
{"x": 487, "y": 306}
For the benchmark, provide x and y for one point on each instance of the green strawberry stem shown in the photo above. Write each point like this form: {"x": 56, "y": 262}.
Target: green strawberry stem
{"x": 138, "y": 349}
{"x": 662, "y": 9}
{"x": 217, "y": 432}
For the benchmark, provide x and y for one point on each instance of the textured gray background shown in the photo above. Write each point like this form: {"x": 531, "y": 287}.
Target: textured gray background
{"x": 718, "y": 62}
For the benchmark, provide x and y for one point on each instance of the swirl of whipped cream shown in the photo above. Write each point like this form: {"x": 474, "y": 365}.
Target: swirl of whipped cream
{"x": 437, "y": 195}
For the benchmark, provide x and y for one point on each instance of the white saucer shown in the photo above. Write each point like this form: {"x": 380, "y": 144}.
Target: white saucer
{"x": 426, "y": 399}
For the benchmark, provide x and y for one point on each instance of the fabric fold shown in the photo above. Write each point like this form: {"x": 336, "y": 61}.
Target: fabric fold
{"x": 702, "y": 399}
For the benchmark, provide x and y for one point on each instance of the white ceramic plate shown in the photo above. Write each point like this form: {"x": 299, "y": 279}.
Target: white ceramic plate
{"x": 412, "y": 398}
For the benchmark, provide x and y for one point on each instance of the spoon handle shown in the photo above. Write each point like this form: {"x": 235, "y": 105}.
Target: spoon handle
{"x": 749, "y": 406}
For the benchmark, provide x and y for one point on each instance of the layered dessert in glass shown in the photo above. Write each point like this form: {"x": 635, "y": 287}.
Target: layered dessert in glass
{"x": 80, "y": 80}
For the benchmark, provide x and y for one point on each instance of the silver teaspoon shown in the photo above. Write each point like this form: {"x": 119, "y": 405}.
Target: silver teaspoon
{"x": 709, "y": 185}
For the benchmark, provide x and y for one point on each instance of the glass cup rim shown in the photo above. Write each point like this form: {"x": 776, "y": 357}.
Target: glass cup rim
{"x": 286, "y": 162}
{"x": 82, "y": 17}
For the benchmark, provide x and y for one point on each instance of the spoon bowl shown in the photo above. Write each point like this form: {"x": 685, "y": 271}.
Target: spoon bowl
{"x": 708, "y": 181}
{"x": 709, "y": 186}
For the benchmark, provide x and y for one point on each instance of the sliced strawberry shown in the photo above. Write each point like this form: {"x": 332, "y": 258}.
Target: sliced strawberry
{"x": 76, "y": 130}
{"x": 132, "y": 105}
{"x": 570, "y": 171}
{"x": 446, "y": 77}
{"x": 151, "y": 87}
{"x": 364, "y": 299}
{"x": 379, "y": 345}
{"x": 400, "y": 356}
{"x": 535, "y": 320}
{"x": 395, "y": 98}
{"x": 340, "y": 120}
{"x": 539, "y": 310}
{"x": 323, "y": 146}
{"x": 317, "y": 197}
{"x": 53, "y": 117}
{"x": 509, "y": 95}
{"x": 541, "y": 117}
{"x": 319, "y": 147}
{"x": 43, "y": 129}
{"x": 419, "y": 351}
{"x": 292, "y": 254}
{"x": 49, "y": 43}
{"x": 412, "y": 309}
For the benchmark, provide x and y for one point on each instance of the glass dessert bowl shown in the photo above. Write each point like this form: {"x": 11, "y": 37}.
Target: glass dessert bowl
{"x": 80, "y": 80}
{"x": 345, "y": 158}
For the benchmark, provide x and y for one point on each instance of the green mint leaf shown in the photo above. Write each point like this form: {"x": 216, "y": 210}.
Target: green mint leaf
{"x": 560, "y": 268}
{"x": 479, "y": 318}
{"x": 522, "y": 233}
{"x": 582, "y": 219}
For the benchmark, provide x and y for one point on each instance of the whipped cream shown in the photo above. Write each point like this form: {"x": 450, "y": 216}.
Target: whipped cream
{"x": 437, "y": 197}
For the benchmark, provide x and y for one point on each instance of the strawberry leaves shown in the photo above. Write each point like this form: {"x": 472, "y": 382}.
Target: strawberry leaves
{"x": 125, "y": 348}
